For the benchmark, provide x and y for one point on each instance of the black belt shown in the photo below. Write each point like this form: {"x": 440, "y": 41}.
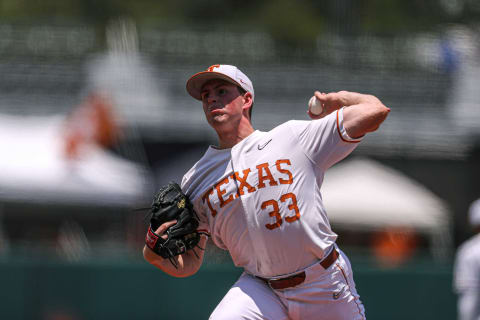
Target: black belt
{"x": 296, "y": 279}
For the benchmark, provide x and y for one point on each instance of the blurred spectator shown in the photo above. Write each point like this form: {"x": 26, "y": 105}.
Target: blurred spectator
{"x": 394, "y": 246}
{"x": 466, "y": 275}
{"x": 450, "y": 57}
{"x": 91, "y": 123}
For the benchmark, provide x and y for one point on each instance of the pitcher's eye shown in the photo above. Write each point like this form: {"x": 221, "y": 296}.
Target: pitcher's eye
{"x": 222, "y": 91}
{"x": 204, "y": 95}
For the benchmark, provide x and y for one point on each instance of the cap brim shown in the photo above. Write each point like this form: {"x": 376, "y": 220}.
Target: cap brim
{"x": 196, "y": 82}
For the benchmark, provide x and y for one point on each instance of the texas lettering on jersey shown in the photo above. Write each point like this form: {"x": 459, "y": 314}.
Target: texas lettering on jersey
{"x": 217, "y": 194}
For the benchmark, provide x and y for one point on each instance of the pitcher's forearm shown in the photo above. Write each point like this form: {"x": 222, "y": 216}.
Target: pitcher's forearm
{"x": 187, "y": 264}
{"x": 365, "y": 115}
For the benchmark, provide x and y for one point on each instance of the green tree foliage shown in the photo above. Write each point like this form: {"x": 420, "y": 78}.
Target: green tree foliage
{"x": 289, "y": 21}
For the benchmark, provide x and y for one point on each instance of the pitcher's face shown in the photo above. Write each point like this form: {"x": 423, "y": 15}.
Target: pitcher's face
{"x": 222, "y": 103}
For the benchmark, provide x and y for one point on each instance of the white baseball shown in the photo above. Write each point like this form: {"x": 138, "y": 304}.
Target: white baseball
{"x": 315, "y": 106}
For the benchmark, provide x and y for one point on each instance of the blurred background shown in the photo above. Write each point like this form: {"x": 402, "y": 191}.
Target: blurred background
{"x": 94, "y": 117}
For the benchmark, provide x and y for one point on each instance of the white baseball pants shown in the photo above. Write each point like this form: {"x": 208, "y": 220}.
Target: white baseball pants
{"x": 325, "y": 294}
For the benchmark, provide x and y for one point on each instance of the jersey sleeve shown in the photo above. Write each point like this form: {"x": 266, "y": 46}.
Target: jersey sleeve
{"x": 325, "y": 141}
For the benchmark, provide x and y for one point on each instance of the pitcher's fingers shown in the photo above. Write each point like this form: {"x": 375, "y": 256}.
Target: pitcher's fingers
{"x": 320, "y": 95}
{"x": 161, "y": 230}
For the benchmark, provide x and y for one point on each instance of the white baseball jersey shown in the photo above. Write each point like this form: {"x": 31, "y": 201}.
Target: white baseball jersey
{"x": 261, "y": 200}
{"x": 467, "y": 279}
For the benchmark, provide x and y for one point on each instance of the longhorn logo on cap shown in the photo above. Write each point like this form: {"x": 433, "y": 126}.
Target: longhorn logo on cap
{"x": 210, "y": 69}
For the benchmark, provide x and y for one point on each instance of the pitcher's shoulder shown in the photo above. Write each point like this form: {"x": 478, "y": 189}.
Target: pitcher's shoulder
{"x": 209, "y": 164}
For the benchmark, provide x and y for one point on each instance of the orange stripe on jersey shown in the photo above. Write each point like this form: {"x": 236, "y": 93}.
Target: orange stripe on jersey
{"x": 340, "y": 133}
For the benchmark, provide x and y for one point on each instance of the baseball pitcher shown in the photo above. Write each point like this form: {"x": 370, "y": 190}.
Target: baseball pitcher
{"x": 257, "y": 195}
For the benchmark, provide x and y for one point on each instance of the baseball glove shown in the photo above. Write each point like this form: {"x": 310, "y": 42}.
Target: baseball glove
{"x": 170, "y": 203}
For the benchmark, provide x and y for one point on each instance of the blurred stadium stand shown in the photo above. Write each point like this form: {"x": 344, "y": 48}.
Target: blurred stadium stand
{"x": 47, "y": 70}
